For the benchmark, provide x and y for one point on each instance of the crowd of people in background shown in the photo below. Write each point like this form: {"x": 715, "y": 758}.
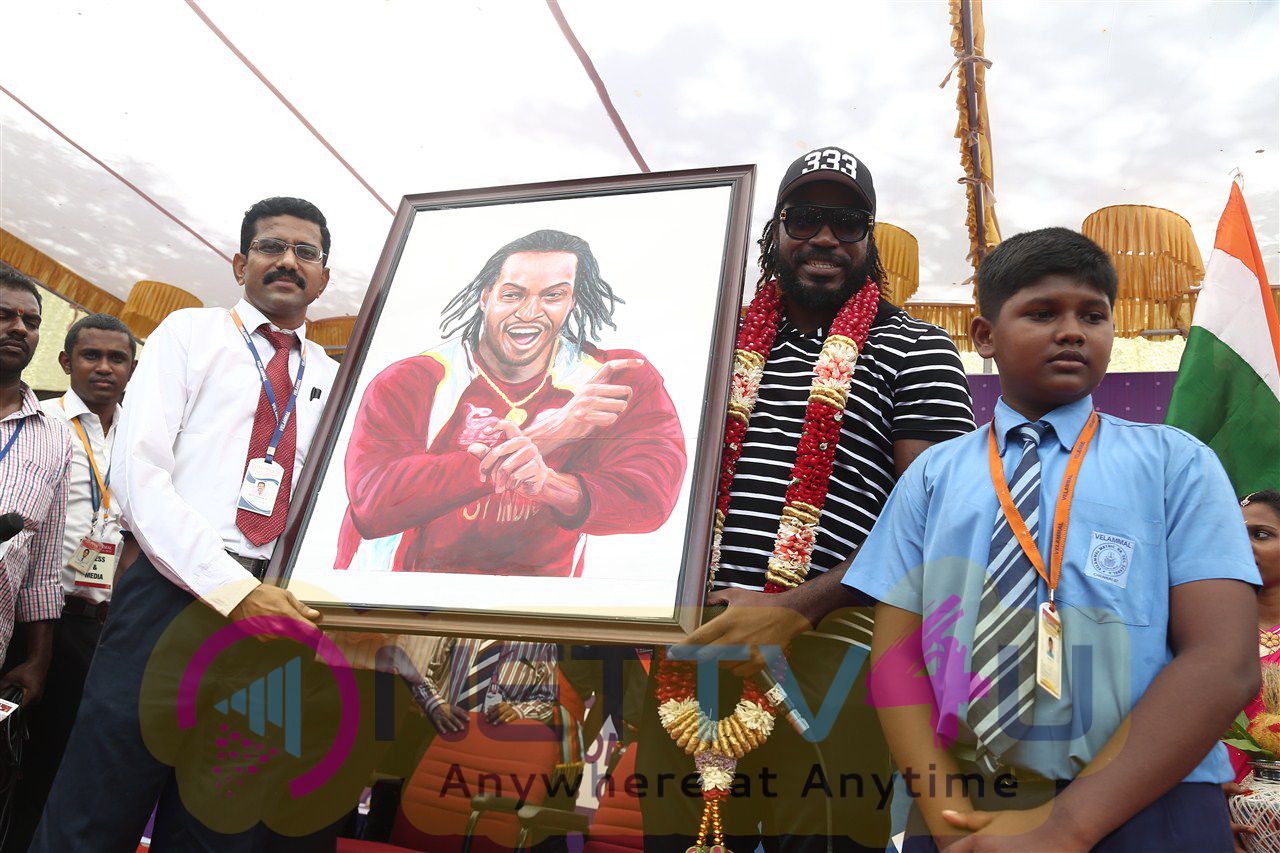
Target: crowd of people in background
{"x": 129, "y": 485}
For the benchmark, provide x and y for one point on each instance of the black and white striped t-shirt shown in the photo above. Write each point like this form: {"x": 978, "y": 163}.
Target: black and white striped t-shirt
{"x": 908, "y": 384}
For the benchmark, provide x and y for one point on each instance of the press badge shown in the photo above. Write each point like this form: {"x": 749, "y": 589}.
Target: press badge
{"x": 94, "y": 563}
{"x": 261, "y": 486}
{"x": 1049, "y": 651}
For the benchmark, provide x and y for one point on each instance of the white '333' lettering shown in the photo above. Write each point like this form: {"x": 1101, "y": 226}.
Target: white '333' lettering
{"x": 830, "y": 158}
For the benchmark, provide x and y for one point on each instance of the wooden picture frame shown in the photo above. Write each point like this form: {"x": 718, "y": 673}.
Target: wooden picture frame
{"x": 672, "y": 247}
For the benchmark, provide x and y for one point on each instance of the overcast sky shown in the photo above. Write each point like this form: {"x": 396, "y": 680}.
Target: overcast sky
{"x": 1091, "y": 104}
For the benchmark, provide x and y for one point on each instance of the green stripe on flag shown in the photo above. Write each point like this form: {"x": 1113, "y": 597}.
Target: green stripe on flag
{"x": 1222, "y": 401}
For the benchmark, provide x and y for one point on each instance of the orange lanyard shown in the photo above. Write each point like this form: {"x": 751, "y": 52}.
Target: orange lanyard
{"x": 93, "y": 463}
{"x": 1061, "y": 514}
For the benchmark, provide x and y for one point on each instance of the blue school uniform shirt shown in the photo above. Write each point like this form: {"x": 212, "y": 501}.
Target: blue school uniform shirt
{"x": 1152, "y": 509}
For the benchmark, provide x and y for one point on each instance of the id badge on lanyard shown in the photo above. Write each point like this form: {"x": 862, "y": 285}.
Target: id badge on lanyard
{"x": 263, "y": 477}
{"x": 1049, "y": 646}
{"x": 94, "y": 560}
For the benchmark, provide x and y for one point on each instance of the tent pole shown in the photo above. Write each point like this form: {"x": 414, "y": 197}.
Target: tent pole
{"x": 975, "y": 148}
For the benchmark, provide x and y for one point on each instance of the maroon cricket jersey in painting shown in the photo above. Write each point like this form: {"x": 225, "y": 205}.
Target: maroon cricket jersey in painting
{"x": 410, "y": 477}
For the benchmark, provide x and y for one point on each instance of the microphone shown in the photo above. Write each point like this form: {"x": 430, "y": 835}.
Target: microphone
{"x": 778, "y": 697}
{"x": 11, "y": 524}
{"x": 773, "y": 691}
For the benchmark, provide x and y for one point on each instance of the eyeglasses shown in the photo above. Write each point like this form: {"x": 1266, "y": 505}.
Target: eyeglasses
{"x": 804, "y": 221}
{"x": 301, "y": 251}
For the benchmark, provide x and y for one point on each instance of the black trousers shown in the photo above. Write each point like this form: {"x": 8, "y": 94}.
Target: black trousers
{"x": 795, "y": 794}
{"x": 49, "y": 725}
{"x": 213, "y": 782}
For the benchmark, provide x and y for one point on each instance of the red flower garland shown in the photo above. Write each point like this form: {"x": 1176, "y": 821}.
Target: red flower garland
{"x": 807, "y": 492}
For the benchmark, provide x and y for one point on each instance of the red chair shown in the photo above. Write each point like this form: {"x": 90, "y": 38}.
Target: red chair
{"x": 616, "y": 827}
{"x": 508, "y": 761}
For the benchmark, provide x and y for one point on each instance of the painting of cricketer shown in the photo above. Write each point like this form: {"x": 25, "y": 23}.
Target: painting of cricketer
{"x": 500, "y": 449}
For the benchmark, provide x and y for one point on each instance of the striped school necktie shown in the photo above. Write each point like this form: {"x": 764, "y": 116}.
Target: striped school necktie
{"x": 481, "y": 675}
{"x": 1004, "y": 641}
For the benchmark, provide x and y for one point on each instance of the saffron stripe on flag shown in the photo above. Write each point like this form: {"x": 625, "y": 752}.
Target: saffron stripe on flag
{"x": 1227, "y": 392}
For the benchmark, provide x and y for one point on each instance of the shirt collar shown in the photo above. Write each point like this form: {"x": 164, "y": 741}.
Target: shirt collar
{"x": 787, "y": 331}
{"x": 73, "y": 406}
{"x": 30, "y": 404}
{"x": 884, "y": 309}
{"x": 253, "y": 318}
{"x": 1067, "y": 421}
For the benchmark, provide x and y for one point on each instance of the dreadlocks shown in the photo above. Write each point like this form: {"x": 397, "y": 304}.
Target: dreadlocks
{"x": 768, "y": 244}
{"x": 593, "y": 299}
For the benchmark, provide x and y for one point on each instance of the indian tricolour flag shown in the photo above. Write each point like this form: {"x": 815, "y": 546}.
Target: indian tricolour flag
{"x": 1228, "y": 389}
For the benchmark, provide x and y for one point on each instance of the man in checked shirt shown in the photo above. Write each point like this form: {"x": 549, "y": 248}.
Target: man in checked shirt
{"x": 35, "y": 452}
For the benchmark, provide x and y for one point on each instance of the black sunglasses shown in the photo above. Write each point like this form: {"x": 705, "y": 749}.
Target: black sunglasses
{"x": 804, "y": 221}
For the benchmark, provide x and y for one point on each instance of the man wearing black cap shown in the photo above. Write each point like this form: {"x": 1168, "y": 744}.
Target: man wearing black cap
{"x": 828, "y": 790}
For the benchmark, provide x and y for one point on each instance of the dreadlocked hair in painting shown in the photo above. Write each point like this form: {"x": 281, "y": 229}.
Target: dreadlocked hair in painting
{"x": 593, "y": 299}
{"x": 768, "y": 244}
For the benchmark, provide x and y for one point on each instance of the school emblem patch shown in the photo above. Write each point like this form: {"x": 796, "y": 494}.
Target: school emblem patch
{"x": 1109, "y": 559}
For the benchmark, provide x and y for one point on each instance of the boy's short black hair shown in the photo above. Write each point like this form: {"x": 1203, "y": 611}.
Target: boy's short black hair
{"x": 106, "y": 323}
{"x": 283, "y": 206}
{"x": 1025, "y": 258}
{"x": 13, "y": 279}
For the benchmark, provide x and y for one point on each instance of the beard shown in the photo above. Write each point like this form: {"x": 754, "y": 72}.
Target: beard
{"x": 797, "y": 292}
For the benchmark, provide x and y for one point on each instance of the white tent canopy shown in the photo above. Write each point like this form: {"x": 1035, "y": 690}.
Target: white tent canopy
{"x": 133, "y": 136}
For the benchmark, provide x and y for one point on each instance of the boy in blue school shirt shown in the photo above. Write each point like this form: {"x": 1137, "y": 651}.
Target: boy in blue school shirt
{"x": 1156, "y": 653}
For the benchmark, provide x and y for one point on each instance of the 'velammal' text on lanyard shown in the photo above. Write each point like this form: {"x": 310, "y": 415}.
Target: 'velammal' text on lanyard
{"x": 282, "y": 419}
{"x": 1061, "y": 513}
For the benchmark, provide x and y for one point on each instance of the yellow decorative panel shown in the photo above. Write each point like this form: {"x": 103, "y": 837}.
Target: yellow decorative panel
{"x": 150, "y": 302}
{"x": 1156, "y": 259}
{"x": 332, "y": 333}
{"x": 28, "y": 259}
{"x": 900, "y": 255}
{"x": 953, "y": 318}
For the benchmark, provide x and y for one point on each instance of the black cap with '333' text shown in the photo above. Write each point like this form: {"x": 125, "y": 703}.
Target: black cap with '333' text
{"x": 829, "y": 164}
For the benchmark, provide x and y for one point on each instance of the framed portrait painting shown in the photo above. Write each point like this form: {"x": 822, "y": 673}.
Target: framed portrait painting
{"x": 524, "y": 437}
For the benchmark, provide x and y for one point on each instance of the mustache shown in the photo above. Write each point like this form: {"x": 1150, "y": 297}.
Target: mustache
{"x": 280, "y": 273}
{"x": 810, "y": 254}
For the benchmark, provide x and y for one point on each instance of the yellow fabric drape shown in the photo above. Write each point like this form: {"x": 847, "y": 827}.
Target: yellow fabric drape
{"x": 332, "y": 333}
{"x": 1156, "y": 259}
{"x": 983, "y": 172}
{"x": 900, "y": 255}
{"x": 953, "y": 318}
{"x": 26, "y": 258}
{"x": 150, "y": 302}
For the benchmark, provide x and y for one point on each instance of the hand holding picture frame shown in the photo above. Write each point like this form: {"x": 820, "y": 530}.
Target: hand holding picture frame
{"x": 524, "y": 437}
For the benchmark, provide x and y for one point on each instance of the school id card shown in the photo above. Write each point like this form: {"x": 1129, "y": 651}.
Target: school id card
{"x": 1049, "y": 650}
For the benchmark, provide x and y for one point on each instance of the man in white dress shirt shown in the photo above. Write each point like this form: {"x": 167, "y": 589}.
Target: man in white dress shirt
{"x": 221, "y": 400}
{"x": 98, "y": 354}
